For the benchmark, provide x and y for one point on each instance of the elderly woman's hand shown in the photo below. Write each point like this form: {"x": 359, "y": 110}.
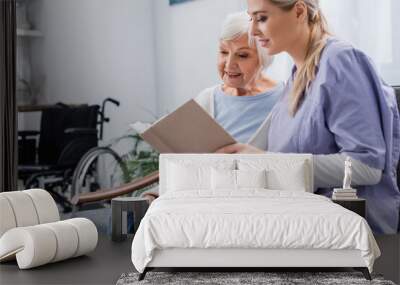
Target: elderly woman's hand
{"x": 239, "y": 148}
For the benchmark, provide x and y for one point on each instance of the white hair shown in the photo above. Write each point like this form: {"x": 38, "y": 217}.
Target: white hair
{"x": 238, "y": 24}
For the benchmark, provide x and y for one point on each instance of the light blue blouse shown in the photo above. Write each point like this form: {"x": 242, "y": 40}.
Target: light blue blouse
{"x": 241, "y": 116}
{"x": 347, "y": 109}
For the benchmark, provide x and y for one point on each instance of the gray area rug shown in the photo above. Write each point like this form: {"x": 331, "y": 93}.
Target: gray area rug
{"x": 228, "y": 278}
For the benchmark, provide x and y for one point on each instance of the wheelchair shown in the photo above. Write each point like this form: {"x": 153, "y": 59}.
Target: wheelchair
{"x": 48, "y": 158}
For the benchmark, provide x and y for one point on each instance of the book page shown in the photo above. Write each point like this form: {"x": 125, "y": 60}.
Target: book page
{"x": 189, "y": 129}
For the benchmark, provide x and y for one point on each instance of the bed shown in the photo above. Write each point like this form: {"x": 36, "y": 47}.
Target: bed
{"x": 247, "y": 211}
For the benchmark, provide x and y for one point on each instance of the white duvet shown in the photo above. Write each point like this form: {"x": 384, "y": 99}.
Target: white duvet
{"x": 250, "y": 219}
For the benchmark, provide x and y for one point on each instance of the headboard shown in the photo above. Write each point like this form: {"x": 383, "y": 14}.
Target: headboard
{"x": 214, "y": 158}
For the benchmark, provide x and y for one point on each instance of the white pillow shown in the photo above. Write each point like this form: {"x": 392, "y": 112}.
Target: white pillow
{"x": 237, "y": 179}
{"x": 223, "y": 179}
{"x": 193, "y": 175}
{"x": 292, "y": 179}
{"x": 281, "y": 175}
{"x": 183, "y": 178}
{"x": 251, "y": 178}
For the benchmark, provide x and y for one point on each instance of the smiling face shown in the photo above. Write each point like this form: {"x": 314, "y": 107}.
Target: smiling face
{"x": 238, "y": 63}
{"x": 276, "y": 29}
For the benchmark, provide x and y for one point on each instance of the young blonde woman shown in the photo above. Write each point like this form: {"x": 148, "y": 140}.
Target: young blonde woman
{"x": 245, "y": 97}
{"x": 335, "y": 105}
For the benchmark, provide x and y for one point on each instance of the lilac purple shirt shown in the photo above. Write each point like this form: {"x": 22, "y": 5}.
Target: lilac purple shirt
{"x": 347, "y": 109}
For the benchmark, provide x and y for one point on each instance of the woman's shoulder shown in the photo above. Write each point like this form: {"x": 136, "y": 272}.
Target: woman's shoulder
{"x": 343, "y": 70}
{"x": 336, "y": 47}
{"x": 342, "y": 57}
{"x": 208, "y": 91}
{"x": 206, "y": 94}
{"x": 204, "y": 98}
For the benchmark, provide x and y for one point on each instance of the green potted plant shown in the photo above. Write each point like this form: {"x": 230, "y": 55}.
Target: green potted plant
{"x": 140, "y": 161}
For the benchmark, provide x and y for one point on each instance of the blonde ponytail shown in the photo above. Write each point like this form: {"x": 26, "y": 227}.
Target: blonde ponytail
{"x": 318, "y": 36}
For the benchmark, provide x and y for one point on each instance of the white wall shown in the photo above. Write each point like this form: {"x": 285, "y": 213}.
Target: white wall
{"x": 93, "y": 49}
{"x": 370, "y": 25}
{"x": 186, "y": 37}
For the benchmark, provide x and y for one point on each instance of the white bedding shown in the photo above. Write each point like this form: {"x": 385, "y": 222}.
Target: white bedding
{"x": 251, "y": 218}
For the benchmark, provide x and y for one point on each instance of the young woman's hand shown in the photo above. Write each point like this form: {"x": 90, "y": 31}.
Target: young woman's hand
{"x": 239, "y": 148}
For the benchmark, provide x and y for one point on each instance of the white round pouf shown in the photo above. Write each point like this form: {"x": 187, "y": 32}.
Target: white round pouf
{"x": 46, "y": 208}
{"x": 33, "y": 246}
{"x": 30, "y": 230}
{"x": 67, "y": 240}
{"x": 87, "y": 234}
{"x": 7, "y": 218}
{"x": 23, "y": 208}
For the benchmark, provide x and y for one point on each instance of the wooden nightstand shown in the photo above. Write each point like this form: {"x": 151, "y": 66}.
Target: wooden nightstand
{"x": 356, "y": 205}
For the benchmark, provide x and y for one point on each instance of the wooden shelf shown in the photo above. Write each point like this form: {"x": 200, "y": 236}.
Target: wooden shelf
{"x": 29, "y": 33}
{"x": 38, "y": 108}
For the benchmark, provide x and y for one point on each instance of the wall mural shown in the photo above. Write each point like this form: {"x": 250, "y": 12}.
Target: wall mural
{"x": 174, "y": 2}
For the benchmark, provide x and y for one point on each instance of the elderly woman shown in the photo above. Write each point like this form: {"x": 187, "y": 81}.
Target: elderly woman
{"x": 246, "y": 96}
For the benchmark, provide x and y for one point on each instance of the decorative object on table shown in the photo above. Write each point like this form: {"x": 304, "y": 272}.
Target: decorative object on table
{"x": 248, "y": 278}
{"x": 22, "y": 19}
{"x": 31, "y": 232}
{"x": 174, "y": 2}
{"x": 347, "y": 173}
{"x": 25, "y": 94}
{"x": 121, "y": 209}
{"x": 346, "y": 192}
{"x": 29, "y": 82}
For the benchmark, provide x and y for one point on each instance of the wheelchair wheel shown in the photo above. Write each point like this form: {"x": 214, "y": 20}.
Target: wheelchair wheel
{"x": 99, "y": 168}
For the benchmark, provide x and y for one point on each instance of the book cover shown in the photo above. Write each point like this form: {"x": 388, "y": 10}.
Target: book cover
{"x": 189, "y": 129}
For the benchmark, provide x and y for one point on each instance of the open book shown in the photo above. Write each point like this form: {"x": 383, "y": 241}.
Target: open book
{"x": 190, "y": 129}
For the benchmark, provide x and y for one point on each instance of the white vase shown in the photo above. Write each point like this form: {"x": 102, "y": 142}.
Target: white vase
{"x": 22, "y": 20}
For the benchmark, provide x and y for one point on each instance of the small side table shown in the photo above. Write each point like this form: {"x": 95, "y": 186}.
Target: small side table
{"x": 120, "y": 207}
{"x": 357, "y": 206}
